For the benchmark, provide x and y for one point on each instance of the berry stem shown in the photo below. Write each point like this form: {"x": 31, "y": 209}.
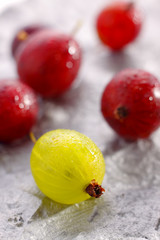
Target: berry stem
{"x": 32, "y": 137}
{"x": 94, "y": 189}
{"x": 129, "y": 6}
{"x": 76, "y": 27}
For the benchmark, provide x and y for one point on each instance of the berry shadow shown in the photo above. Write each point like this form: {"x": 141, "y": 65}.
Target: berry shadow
{"x": 47, "y": 209}
{"x": 114, "y": 145}
{"x": 71, "y": 97}
{"x": 90, "y": 210}
{"x": 14, "y": 146}
{"x": 59, "y": 112}
{"x": 115, "y": 61}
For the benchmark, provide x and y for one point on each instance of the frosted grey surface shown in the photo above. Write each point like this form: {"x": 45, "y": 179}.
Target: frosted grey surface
{"x": 130, "y": 207}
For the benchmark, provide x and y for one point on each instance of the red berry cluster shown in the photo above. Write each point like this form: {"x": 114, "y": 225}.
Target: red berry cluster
{"x": 131, "y": 101}
{"x": 48, "y": 63}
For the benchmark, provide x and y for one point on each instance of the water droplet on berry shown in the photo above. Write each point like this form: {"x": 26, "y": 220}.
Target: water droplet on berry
{"x": 16, "y": 98}
{"x": 18, "y": 89}
{"x": 69, "y": 64}
{"x": 72, "y": 50}
{"x": 27, "y": 100}
{"x": 21, "y": 105}
{"x": 150, "y": 98}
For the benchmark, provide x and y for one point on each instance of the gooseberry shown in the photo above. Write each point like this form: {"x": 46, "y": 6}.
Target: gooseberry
{"x": 22, "y": 35}
{"x": 49, "y": 62}
{"x": 18, "y": 110}
{"x": 131, "y": 103}
{"x": 67, "y": 166}
{"x": 119, "y": 24}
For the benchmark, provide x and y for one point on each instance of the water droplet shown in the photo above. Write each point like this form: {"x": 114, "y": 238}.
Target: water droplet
{"x": 16, "y": 98}
{"x": 21, "y": 105}
{"x": 27, "y": 100}
{"x": 69, "y": 64}
{"x": 72, "y": 50}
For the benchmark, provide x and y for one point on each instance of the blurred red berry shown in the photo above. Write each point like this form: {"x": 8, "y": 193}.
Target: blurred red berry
{"x": 22, "y": 35}
{"x": 119, "y": 24}
{"x": 49, "y": 62}
{"x": 131, "y": 104}
{"x": 18, "y": 110}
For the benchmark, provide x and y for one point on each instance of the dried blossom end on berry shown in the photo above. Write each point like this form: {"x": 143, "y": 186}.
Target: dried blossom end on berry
{"x": 22, "y": 35}
{"x": 121, "y": 113}
{"x": 94, "y": 189}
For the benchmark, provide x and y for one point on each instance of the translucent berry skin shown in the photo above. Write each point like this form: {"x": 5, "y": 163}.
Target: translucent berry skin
{"x": 49, "y": 63}
{"x": 118, "y": 24}
{"x": 18, "y": 110}
{"x": 64, "y": 162}
{"x": 22, "y": 35}
{"x": 131, "y": 104}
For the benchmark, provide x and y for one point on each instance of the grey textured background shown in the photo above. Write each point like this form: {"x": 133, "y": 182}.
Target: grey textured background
{"x": 130, "y": 207}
